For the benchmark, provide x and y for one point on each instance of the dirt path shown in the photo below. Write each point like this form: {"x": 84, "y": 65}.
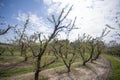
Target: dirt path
{"x": 99, "y": 70}
{"x": 7, "y": 65}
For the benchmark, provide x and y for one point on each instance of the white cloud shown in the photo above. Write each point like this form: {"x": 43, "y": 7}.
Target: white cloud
{"x": 36, "y": 23}
{"x": 48, "y": 2}
{"x": 92, "y": 15}
{"x": 21, "y": 16}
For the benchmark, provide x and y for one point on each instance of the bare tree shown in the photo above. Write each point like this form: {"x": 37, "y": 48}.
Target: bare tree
{"x": 99, "y": 44}
{"x": 43, "y": 43}
{"x": 93, "y": 46}
{"x": 21, "y": 39}
{"x": 64, "y": 51}
{"x": 86, "y": 48}
{"x": 99, "y": 49}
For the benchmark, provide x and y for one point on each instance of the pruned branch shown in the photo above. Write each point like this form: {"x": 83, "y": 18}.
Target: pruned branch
{"x": 2, "y": 32}
{"x": 66, "y": 13}
{"x": 49, "y": 63}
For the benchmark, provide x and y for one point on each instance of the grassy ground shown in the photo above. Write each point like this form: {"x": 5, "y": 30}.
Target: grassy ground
{"x": 78, "y": 72}
{"x": 115, "y": 67}
{"x": 25, "y": 70}
{"x": 13, "y": 72}
{"x": 17, "y": 59}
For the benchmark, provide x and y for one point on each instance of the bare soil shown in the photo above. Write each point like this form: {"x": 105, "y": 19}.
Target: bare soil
{"x": 98, "y": 70}
{"x": 4, "y": 66}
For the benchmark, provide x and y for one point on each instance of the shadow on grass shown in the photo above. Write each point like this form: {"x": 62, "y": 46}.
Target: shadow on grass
{"x": 12, "y": 66}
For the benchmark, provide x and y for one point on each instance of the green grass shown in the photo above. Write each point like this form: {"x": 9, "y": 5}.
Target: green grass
{"x": 116, "y": 68}
{"x": 26, "y": 70}
{"x": 7, "y": 53}
{"x": 13, "y": 72}
{"x": 10, "y": 59}
{"x": 55, "y": 65}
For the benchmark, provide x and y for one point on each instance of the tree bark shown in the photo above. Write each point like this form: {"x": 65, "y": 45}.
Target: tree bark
{"x": 26, "y": 58}
{"x": 36, "y": 74}
{"x": 68, "y": 69}
{"x": 84, "y": 63}
{"x": 37, "y": 68}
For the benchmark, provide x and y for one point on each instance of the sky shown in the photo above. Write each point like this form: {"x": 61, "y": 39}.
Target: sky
{"x": 92, "y": 16}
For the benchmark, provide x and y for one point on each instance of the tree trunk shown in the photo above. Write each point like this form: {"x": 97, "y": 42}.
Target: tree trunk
{"x": 26, "y": 58}
{"x": 84, "y": 63}
{"x": 68, "y": 69}
{"x": 97, "y": 56}
{"x": 91, "y": 60}
{"x": 36, "y": 74}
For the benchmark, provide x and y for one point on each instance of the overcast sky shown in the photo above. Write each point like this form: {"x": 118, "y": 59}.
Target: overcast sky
{"x": 92, "y": 15}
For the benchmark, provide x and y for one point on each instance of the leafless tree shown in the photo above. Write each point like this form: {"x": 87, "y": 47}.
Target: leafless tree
{"x": 64, "y": 51}
{"x": 21, "y": 39}
{"x": 86, "y": 48}
{"x": 99, "y": 49}
{"x": 99, "y": 44}
{"x": 93, "y": 46}
{"x": 43, "y": 43}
